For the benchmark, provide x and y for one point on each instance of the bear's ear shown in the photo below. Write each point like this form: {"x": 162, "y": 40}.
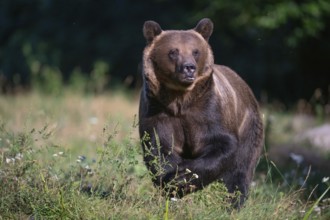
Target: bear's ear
{"x": 205, "y": 28}
{"x": 150, "y": 30}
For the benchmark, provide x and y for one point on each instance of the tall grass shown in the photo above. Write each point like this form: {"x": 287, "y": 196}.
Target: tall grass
{"x": 79, "y": 157}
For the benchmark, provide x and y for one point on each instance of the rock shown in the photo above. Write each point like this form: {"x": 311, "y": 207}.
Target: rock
{"x": 318, "y": 137}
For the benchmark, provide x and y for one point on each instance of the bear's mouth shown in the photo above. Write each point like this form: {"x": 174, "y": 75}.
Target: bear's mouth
{"x": 186, "y": 80}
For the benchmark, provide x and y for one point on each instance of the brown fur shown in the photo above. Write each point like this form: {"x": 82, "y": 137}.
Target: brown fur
{"x": 204, "y": 115}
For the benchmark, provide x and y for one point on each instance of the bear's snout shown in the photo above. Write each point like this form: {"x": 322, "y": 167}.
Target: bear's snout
{"x": 189, "y": 69}
{"x": 187, "y": 73}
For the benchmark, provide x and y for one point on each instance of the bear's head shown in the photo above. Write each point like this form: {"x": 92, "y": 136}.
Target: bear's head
{"x": 177, "y": 59}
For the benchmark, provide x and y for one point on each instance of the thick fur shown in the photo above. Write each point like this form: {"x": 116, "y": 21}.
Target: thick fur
{"x": 194, "y": 115}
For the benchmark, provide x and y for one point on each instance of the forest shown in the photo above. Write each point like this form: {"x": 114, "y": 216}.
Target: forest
{"x": 281, "y": 48}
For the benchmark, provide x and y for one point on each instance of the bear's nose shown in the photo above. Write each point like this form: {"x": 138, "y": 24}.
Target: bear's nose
{"x": 189, "y": 69}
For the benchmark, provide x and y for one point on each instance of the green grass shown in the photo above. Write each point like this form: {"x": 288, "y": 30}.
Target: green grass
{"x": 79, "y": 157}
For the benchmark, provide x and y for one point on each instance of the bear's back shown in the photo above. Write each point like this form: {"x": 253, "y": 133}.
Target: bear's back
{"x": 233, "y": 88}
{"x": 239, "y": 104}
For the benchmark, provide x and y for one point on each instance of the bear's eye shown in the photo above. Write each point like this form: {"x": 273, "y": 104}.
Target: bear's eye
{"x": 173, "y": 54}
{"x": 195, "y": 53}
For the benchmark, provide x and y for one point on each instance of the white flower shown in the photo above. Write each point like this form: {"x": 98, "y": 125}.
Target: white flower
{"x": 325, "y": 179}
{"x": 81, "y": 158}
{"x": 195, "y": 176}
{"x": 173, "y": 199}
{"x": 19, "y": 156}
{"x": 60, "y": 153}
{"x": 297, "y": 158}
{"x": 79, "y": 161}
{"x": 55, "y": 155}
{"x": 10, "y": 160}
{"x": 188, "y": 171}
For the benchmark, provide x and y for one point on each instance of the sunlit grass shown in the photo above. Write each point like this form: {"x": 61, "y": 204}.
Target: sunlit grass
{"x": 79, "y": 157}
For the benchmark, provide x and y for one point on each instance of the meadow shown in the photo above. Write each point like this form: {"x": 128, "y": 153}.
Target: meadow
{"x": 78, "y": 156}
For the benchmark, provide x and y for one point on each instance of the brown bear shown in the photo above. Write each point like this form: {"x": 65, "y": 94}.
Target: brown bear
{"x": 199, "y": 122}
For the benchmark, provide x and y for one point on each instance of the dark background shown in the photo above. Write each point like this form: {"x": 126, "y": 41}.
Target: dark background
{"x": 281, "y": 48}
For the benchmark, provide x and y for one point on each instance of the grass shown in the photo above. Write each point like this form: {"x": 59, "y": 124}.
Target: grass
{"x": 76, "y": 156}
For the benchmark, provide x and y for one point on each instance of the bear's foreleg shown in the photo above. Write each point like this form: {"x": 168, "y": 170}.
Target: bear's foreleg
{"x": 215, "y": 163}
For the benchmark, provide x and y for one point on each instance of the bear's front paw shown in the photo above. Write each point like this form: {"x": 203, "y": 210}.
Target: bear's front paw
{"x": 181, "y": 183}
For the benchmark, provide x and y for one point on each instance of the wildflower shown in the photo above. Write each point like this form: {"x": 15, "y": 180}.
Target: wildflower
{"x": 8, "y": 160}
{"x": 55, "y": 155}
{"x": 297, "y": 158}
{"x": 60, "y": 153}
{"x": 325, "y": 179}
{"x": 78, "y": 160}
{"x": 173, "y": 199}
{"x": 188, "y": 171}
{"x": 81, "y": 158}
{"x": 19, "y": 156}
{"x": 195, "y": 176}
